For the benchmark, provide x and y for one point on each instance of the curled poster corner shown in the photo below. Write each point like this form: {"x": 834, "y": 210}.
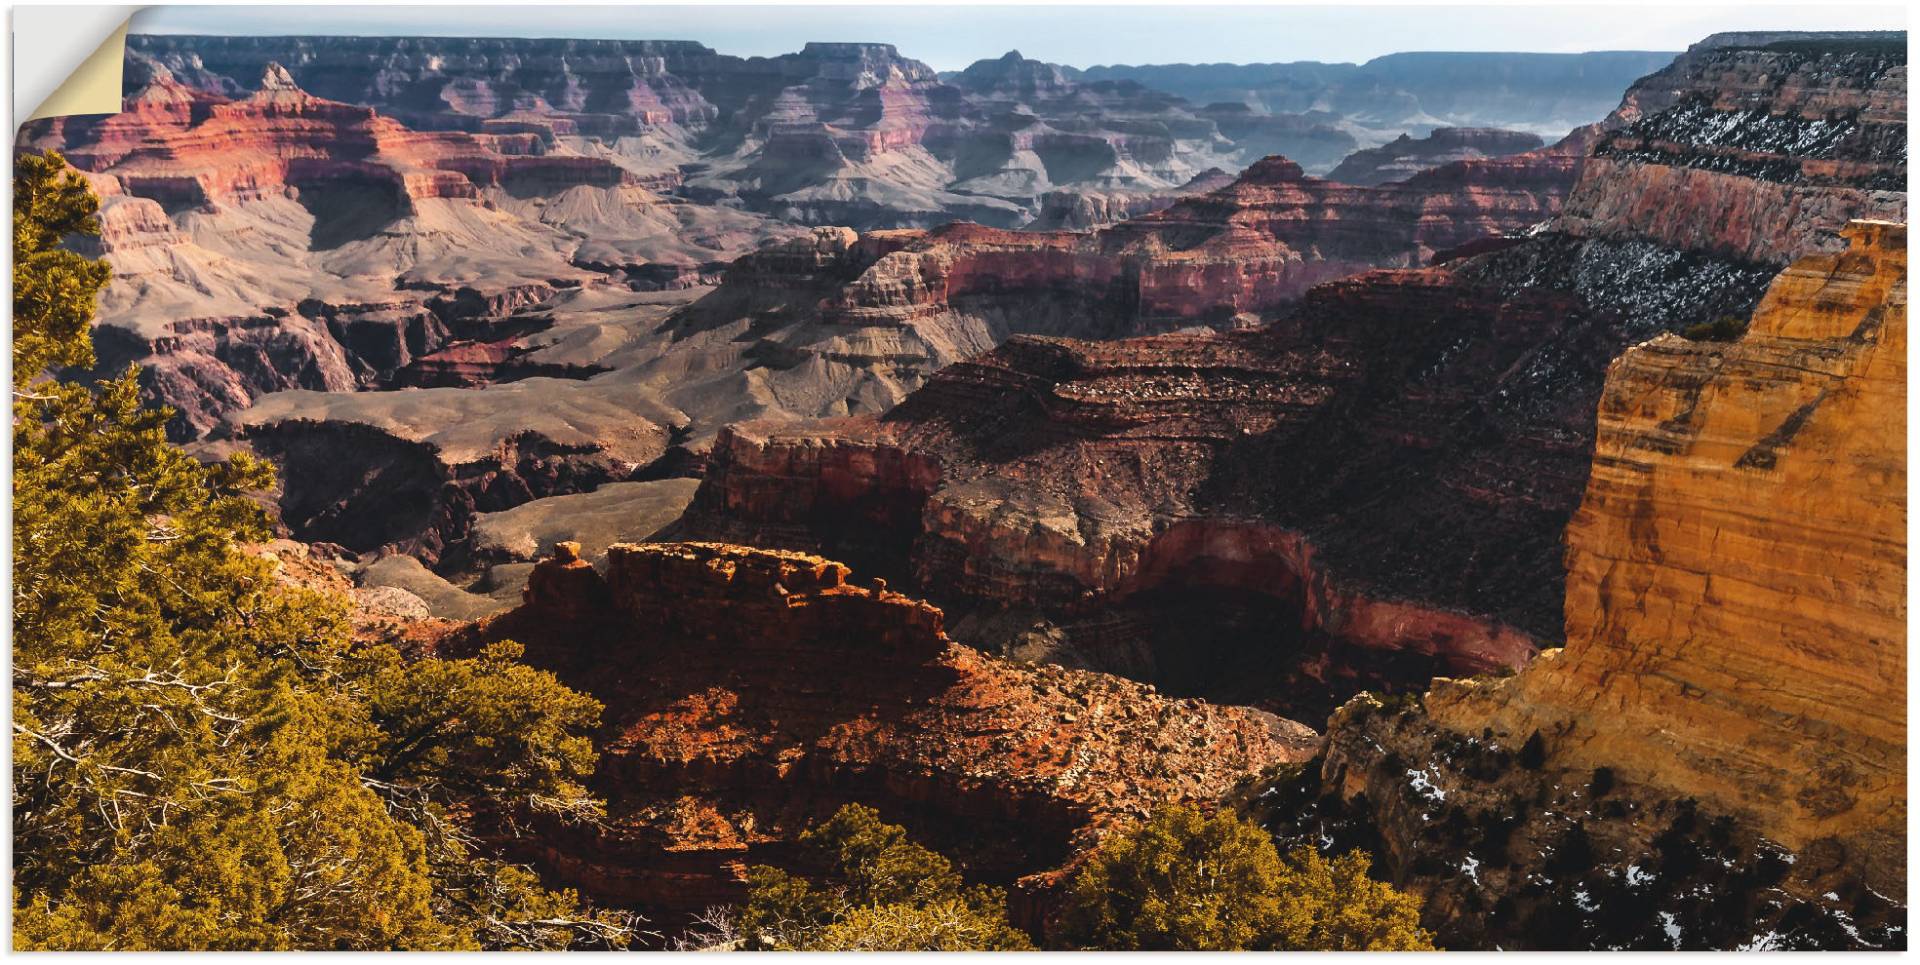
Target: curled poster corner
{"x": 56, "y": 38}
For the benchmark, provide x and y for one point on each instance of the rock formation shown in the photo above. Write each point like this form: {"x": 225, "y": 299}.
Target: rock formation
{"x": 1421, "y": 436}
{"x": 281, "y": 240}
{"x": 1736, "y": 608}
{"x": 1744, "y": 132}
{"x": 1405, "y": 156}
{"x": 1734, "y": 675}
{"x": 859, "y": 135}
{"x": 1544, "y": 94}
{"x": 752, "y": 692}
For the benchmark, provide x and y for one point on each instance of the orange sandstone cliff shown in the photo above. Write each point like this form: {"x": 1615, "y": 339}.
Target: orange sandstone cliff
{"x": 1736, "y": 588}
{"x": 1717, "y": 757}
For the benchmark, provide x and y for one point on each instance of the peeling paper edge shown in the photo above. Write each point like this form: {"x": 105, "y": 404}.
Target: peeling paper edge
{"x": 93, "y": 86}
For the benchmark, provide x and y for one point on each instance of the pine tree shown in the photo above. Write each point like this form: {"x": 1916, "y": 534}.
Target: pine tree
{"x": 882, "y": 892}
{"x": 1184, "y": 881}
{"x": 203, "y": 758}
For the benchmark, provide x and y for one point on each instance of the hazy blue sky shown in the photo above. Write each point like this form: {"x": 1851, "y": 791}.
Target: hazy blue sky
{"x": 950, "y": 37}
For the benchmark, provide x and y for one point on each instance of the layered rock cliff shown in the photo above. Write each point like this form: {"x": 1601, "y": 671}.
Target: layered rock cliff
{"x": 1406, "y": 156}
{"x": 1545, "y": 94}
{"x": 750, "y": 693}
{"x": 1427, "y": 433}
{"x": 1733, "y": 684}
{"x": 280, "y": 240}
{"x": 857, "y": 134}
{"x": 835, "y": 133}
{"x": 1753, "y": 150}
{"x": 1736, "y": 603}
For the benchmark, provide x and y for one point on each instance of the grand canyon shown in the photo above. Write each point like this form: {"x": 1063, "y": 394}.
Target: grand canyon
{"x": 1492, "y": 464}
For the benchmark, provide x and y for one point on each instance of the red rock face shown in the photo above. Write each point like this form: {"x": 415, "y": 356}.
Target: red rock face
{"x": 750, "y": 693}
{"x": 175, "y": 143}
{"x": 1224, "y": 258}
{"x": 1064, "y": 482}
{"x": 1397, "y": 456}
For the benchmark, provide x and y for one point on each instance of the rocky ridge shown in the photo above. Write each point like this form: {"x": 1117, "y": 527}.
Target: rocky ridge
{"x": 1405, "y": 156}
{"x": 751, "y": 692}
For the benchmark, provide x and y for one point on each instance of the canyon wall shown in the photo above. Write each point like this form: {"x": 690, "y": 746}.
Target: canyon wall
{"x": 1717, "y": 757}
{"x": 1736, "y": 590}
{"x": 1427, "y": 432}
{"x": 1406, "y": 156}
{"x": 281, "y": 240}
{"x": 835, "y": 133}
{"x": 1759, "y": 151}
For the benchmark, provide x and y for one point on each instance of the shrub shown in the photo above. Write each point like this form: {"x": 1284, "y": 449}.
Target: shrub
{"x": 882, "y": 892}
{"x": 1726, "y": 328}
{"x": 1533, "y": 754}
{"x": 1183, "y": 881}
{"x": 1602, "y": 782}
{"x": 203, "y": 757}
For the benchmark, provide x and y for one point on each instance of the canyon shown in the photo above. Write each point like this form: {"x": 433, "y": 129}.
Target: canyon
{"x": 282, "y": 240}
{"x": 277, "y": 302}
{"x": 1420, "y": 456}
{"x": 1407, "y": 445}
{"x": 818, "y": 120}
{"x": 836, "y": 323}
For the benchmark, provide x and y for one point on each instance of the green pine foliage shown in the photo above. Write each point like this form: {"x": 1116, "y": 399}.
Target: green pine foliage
{"x": 53, "y": 289}
{"x": 1726, "y": 328}
{"x": 203, "y": 759}
{"x": 1184, "y": 881}
{"x": 882, "y": 892}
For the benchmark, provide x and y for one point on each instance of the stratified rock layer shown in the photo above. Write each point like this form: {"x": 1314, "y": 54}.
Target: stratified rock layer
{"x": 1716, "y": 759}
{"x": 835, "y": 133}
{"x": 281, "y": 240}
{"x": 751, "y": 692}
{"x": 1736, "y": 590}
{"x": 1427, "y": 434}
{"x": 839, "y": 323}
{"x": 1405, "y": 156}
